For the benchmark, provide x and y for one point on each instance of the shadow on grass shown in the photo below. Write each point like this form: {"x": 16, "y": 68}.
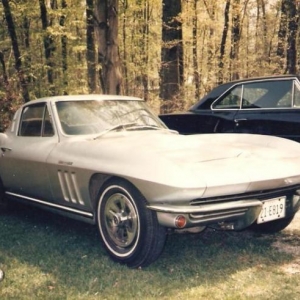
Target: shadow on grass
{"x": 70, "y": 255}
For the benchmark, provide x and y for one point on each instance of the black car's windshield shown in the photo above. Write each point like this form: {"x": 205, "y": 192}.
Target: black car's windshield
{"x": 93, "y": 116}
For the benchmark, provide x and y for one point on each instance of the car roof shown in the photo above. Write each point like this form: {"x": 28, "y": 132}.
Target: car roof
{"x": 97, "y": 97}
{"x": 221, "y": 88}
{"x": 262, "y": 78}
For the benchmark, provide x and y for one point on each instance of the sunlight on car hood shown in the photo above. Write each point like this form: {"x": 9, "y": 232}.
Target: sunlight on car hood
{"x": 197, "y": 165}
{"x": 210, "y": 147}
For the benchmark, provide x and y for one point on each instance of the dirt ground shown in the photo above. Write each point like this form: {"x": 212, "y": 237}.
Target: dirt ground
{"x": 295, "y": 225}
{"x": 289, "y": 242}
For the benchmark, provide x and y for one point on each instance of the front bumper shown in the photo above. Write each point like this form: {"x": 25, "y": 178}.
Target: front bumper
{"x": 233, "y": 215}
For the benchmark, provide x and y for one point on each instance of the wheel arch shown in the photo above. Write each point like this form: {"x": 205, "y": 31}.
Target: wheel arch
{"x": 97, "y": 184}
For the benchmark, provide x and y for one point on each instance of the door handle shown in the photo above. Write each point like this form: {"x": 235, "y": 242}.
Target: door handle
{"x": 238, "y": 120}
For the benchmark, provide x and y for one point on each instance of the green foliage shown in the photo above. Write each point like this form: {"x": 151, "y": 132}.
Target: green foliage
{"x": 140, "y": 42}
{"x": 45, "y": 256}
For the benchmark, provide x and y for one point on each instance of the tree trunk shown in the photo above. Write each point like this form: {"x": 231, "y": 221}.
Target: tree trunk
{"x": 293, "y": 19}
{"x": 195, "y": 53}
{"x": 210, "y": 49}
{"x": 48, "y": 44}
{"x": 171, "y": 71}
{"x": 235, "y": 39}
{"x": 4, "y": 72}
{"x": 265, "y": 31}
{"x": 64, "y": 45}
{"x": 145, "y": 48}
{"x": 15, "y": 46}
{"x": 223, "y": 41}
{"x": 106, "y": 17}
{"x": 90, "y": 47}
{"x": 27, "y": 61}
{"x": 282, "y": 34}
{"x": 125, "y": 48}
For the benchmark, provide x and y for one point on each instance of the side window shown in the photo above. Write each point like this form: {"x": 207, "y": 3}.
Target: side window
{"x": 252, "y": 93}
{"x": 296, "y": 95}
{"x": 268, "y": 94}
{"x": 35, "y": 121}
{"x": 47, "y": 129}
{"x": 231, "y": 100}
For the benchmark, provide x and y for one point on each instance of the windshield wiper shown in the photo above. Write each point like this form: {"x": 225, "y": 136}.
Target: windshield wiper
{"x": 132, "y": 126}
{"x": 115, "y": 128}
{"x": 141, "y": 126}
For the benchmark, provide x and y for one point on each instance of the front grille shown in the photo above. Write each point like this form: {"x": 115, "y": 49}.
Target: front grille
{"x": 260, "y": 195}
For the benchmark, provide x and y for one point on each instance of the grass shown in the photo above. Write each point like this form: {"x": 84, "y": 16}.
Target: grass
{"x": 45, "y": 256}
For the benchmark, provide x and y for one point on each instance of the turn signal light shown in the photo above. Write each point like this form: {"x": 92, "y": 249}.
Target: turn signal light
{"x": 180, "y": 221}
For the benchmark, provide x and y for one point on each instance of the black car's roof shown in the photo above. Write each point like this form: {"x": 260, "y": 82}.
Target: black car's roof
{"x": 220, "y": 89}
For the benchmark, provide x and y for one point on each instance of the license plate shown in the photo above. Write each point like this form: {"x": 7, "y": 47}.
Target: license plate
{"x": 272, "y": 209}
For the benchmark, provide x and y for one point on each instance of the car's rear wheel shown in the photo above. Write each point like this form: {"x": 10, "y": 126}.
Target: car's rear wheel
{"x": 130, "y": 232}
{"x": 273, "y": 226}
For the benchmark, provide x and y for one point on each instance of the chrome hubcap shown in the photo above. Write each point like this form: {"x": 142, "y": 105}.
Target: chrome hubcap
{"x": 121, "y": 220}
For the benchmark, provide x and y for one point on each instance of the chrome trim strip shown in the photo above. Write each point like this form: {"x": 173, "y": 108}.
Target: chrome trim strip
{"x": 68, "y": 209}
{"x": 205, "y": 208}
{"x": 221, "y": 214}
{"x": 257, "y": 108}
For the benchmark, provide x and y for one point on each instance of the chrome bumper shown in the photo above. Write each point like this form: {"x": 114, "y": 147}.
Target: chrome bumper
{"x": 238, "y": 213}
{"x": 234, "y": 215}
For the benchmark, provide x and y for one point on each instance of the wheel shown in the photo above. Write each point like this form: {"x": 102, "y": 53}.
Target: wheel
{"x": 273, "y": 226}
{"x": 3, "y": 202}
{"x": 130, "y": 232}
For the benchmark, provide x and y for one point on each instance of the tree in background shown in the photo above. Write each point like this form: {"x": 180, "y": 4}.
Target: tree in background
{"x": 293, "y": 21}
{"x": 282, "y": 34}
{"x": 195, "y": 50}
{"x": 49, "y": 44}
{"x": 90, "y": 47}
{"x": 169, "y": 54}
{"x": 106, "y": 19}
{"x": 64, "y": 46}
{"x": 235, "y": 38}
{"x": 16, "y": 50}
{"x": 287, "y": 37}
{"x": 223, "y": 41}
{"x": 171, "y": 70}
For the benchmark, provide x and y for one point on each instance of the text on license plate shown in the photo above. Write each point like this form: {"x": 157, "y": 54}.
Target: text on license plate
{"x": 272, "y": 209}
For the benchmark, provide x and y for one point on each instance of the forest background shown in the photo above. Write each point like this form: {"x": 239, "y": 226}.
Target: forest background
{"x": 169, "y": 52}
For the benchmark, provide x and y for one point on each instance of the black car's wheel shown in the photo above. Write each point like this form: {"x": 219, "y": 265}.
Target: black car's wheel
{"x": 130, "y": 232}
{"x": 273, "y": 226}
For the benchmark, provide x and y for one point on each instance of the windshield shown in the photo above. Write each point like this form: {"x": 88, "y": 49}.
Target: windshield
{"x": 93, "y": 116}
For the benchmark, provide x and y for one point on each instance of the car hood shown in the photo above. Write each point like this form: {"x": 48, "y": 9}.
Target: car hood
{"x": 197, "y": 165}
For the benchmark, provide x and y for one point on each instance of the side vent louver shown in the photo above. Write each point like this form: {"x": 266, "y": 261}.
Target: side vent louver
{"x": 69, "y": 187}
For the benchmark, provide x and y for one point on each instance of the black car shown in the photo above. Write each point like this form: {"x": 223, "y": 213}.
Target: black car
{"x": 265, "y": 105}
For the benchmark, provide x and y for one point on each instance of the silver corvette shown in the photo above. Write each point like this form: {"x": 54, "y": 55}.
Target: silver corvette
{"x": 110, "y": 161}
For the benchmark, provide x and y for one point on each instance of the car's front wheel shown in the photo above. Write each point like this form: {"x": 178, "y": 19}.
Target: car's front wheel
{"x": 273, "y": 226}
{"x": 130, "y": 232}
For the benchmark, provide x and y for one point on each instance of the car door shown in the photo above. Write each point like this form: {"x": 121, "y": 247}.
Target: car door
{"x": 224, "y": 110}
{"x": 203, "y": 117}
{"x": 197, "y": 121}
{"x": 23, "y": 162}
{"x": 270, "y": 107}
